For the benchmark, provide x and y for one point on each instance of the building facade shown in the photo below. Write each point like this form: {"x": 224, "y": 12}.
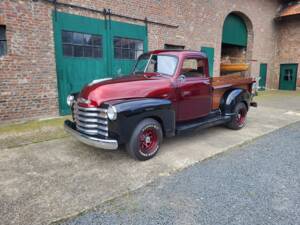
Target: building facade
{"x": 50, "y": 48}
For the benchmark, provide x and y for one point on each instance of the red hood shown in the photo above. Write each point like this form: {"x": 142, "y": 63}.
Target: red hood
{"x": 134, "y": 86}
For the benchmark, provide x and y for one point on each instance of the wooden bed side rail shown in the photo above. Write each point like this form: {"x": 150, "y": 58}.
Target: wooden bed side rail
{"x": 224, "y": 83}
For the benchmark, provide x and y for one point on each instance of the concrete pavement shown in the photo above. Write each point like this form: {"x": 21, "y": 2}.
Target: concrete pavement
{"x": 44, "y": 182}
{"x": 251, "y": 185}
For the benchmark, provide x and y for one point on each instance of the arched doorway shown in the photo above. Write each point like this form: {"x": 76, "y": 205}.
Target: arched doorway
{"x": 237, "y": 40}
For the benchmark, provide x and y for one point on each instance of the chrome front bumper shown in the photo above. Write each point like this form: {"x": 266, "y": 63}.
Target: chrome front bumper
{"x": 92, "y": 141}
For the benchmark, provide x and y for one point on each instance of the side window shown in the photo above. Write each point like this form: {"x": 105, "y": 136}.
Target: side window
{"x": 3, "y": 44}
{"x": 125, "y": 48}
{"x": 193, "y": 68}
{"x": 81, "y": 45}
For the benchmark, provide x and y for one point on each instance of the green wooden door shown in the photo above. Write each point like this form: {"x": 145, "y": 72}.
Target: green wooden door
{"x": 128, "y": 41}
{"x": 74, "y": 66}
{"x": 84, "y": 49}
{"x": 263, "y": 76}
{"x": 288, "y": 76}
{"x": 210, "y": 52}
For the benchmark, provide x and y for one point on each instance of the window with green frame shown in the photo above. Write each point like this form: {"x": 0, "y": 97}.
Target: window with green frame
{"x": 126, "y": 48}
{"x": 85, "y": 45}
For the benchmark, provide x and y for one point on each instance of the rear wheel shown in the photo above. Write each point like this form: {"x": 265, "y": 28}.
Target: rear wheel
{"x": 239, "y": 119}
{"x": 145, "y": 140}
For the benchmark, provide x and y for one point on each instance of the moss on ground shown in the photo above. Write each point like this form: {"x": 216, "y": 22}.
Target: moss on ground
{"x": 32, "y": 125}
{"x": 19, "y": 134}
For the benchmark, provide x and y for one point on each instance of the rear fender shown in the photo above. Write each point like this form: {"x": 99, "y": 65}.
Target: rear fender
{"x": 233, "y": 97}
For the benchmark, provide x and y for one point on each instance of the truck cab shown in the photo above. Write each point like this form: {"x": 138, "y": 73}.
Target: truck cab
{"x": 168, "y": 93}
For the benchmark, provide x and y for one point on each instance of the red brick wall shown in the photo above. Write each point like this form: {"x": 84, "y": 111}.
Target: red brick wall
{"x": 27, "y": 72}
{"x": 28, "y": 76}
{"x": 288, "y": 45}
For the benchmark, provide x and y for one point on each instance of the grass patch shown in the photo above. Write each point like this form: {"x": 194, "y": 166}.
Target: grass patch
{"x": 32, "y": 125}
{"x": 35, "y": 131}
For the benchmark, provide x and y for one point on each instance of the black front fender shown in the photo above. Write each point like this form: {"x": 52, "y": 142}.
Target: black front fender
{"x": 232, "y": 97}
{"x": 132, "y": 111}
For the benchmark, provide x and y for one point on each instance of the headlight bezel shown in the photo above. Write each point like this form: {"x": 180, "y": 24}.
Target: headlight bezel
{"x": 112, "y": 113}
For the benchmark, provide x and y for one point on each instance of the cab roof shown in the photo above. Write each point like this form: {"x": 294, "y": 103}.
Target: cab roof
{"x": 179, "y": 52}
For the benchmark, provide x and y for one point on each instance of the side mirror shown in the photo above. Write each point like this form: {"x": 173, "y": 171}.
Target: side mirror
{"x": 182, "y": 78}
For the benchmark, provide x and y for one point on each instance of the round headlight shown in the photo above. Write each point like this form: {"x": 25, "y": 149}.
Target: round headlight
{"x": 112, "y": 113}
{"x": 70, "y": 100}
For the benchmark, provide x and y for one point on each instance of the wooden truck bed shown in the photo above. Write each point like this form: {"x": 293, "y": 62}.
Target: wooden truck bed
{"x": 223, "y": 83}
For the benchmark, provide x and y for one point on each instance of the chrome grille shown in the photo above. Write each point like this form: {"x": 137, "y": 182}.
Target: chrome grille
{"x": 91, "y": 121}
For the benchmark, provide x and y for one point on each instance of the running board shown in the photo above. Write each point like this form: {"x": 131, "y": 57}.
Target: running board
{"x": 201, "y": 124}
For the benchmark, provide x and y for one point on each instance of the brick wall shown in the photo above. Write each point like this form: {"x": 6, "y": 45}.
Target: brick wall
{"x": 288, "y": 45}
{"x": 27, "y": 72}
{"x": 28, "y": 75}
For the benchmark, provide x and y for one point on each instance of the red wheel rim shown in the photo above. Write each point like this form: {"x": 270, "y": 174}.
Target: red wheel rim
{"x": 148, "y": 141}
{"x": 241, "y": 117}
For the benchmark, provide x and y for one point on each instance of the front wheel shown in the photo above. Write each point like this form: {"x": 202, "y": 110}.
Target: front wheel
{"x": 145, "y": 140}
{"x": 238, "y": 121}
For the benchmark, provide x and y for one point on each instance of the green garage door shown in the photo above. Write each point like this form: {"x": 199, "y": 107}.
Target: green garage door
{"x": 87, "y": 49}
{"x": 129, "y": 41}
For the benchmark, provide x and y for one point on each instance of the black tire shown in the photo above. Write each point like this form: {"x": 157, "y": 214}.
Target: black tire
{"x": 147, "y": 132}
{"x": 239, "y": 120}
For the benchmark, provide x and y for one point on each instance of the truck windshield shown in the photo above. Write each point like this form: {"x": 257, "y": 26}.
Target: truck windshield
{"x": 150, "y": 63}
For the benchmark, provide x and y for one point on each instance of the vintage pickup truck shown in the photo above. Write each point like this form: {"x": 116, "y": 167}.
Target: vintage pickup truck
{"x": 168, "y": 93}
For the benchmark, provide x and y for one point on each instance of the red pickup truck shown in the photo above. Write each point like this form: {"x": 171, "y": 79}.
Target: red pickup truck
{"x": 168, "y": 93}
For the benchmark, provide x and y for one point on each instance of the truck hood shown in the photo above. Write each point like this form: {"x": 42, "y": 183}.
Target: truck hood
{"x": 133, "y": 86}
